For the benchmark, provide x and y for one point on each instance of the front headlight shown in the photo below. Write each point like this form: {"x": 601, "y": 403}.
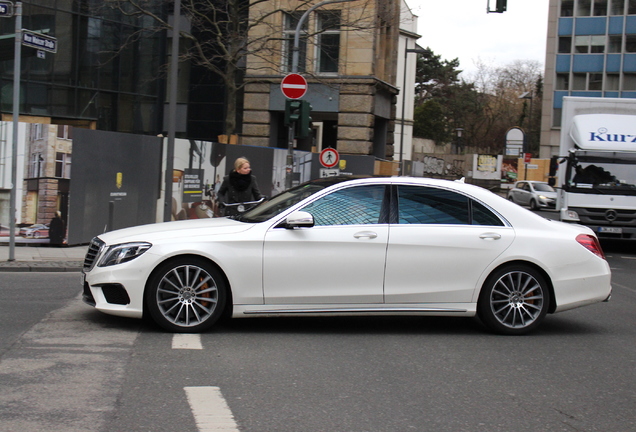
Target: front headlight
{"x": 122, "y": 253}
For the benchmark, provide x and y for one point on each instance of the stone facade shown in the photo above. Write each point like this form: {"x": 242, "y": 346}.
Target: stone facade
{"x": 361, "y": 96}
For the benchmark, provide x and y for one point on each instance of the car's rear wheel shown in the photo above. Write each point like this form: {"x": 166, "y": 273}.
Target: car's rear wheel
{"x": 186, "y": 295}
{"x": 514, "y": 300}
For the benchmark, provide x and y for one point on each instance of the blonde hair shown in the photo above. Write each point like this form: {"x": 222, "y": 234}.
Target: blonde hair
{"x": 239, "y": 163}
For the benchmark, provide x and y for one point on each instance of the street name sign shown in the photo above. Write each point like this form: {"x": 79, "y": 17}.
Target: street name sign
{"x": 39, "y": 41}
{"x": 6, "y": 9}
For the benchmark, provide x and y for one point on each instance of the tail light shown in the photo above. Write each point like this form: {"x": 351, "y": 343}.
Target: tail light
{"x": 590, "y": 243}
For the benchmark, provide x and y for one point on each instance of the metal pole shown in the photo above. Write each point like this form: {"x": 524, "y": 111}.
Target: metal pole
{"x": 172, "y": 110}
{"x": 406, "y": 51}
{"x": 17, "y": 66}
{"x": 294, "y": 69}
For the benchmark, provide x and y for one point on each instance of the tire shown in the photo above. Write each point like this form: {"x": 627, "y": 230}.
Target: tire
{"x": 534, "y": 205}
{"x": 186, "y": 295}
{"x": 514, "y": 300}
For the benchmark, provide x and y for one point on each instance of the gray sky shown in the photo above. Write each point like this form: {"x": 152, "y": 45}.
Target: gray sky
{"x": 463, "y": 29}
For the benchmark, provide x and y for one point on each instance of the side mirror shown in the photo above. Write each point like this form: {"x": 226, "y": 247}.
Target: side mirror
{"x": 298, "y": 219}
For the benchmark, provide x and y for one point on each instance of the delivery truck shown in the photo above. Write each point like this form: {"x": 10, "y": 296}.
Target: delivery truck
{"x": 595, "y": 171}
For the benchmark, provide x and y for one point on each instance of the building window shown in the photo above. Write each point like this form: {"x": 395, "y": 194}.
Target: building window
{"x": 612, "y": 82}
{"x": 615, "y": 44}
{"x": 556, "y": 117}
{"x": 64, "y": 132}
{"x": 289, "y": 32}
{"x": 584, "y": 8}
{"x": 565, "y": 45}
{"x": 629, "y": 82}
{"x": 563, "y": 81}
{"x": 62, "y": 165}
{"x": 617, "y": 7}
{"x": 567, "y": 8}
{"x": 36, "y": 166}
{"x": 579, "y": 81}
{"x": 600, "y": 7}
{"x": 630, "y": 43}
{"x": 589, "y": 44}
{"x": 328, "y": 41}
{"x": 37, "y": 131}
{"x": 631, "y": 7}
{"x": 595, "y": 81}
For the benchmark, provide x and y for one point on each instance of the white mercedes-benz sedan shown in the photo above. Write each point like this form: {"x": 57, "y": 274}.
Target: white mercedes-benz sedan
{"x": 337, "y": 246}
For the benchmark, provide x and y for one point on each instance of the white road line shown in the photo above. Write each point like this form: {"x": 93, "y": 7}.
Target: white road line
{"x": 210, "y": 410}
{"x": 187, "y": 341}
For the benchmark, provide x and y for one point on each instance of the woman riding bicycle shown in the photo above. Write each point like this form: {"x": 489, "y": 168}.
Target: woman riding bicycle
{"x": 238, "y": 187}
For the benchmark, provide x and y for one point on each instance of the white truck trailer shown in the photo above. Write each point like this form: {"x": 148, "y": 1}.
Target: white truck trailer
{"x": 596, "y": 175}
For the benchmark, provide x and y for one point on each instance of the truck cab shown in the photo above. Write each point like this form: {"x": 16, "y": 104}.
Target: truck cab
{"x": 597, "y": 168}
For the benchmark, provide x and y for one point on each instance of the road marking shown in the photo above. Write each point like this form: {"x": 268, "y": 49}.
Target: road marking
{"x": 210, "y": 410}
{"x": 187, "y": 341}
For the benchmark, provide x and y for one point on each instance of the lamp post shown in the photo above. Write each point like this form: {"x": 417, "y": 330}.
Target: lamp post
{"x": 528, "y": 136}
{"x": 406, "y": 51}
{"x": 458, "y": 146}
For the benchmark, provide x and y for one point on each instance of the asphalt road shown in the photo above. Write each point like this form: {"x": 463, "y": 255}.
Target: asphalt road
{"x": 65, "y": 367}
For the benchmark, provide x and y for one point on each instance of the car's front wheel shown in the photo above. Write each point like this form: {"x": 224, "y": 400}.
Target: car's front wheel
{"x": 534, "y": 205}
{"x": 514, "y": 300}
{"x": 186, "y": 295}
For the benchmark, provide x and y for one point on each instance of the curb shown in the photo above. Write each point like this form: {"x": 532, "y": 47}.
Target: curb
{"x": 41, "y": 266}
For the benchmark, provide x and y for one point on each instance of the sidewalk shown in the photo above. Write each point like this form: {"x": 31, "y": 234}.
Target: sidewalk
{"x": 42, "y": 258}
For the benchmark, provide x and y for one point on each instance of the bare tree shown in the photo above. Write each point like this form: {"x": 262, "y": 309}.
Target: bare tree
{"x": 224, "y": 33}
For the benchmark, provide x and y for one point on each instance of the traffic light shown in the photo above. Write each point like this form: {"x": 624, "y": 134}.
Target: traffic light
{"x": 501, "y": 6}
{"x": 292, "y": 111}
{"x": 304, "y": 125}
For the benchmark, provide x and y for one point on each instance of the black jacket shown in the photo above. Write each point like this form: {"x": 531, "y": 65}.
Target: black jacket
{"x": 239, "y": 188}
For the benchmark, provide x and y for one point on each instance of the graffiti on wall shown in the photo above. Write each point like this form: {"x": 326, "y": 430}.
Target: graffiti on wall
{"x": 439, "y": 166}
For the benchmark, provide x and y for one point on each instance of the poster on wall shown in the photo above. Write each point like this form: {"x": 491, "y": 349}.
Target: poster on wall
{"x": 202, "y": 166}
{"x": 487, "y": 167}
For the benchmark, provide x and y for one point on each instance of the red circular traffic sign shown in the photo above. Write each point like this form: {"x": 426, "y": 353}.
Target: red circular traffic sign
{"x": 329, "y": 157}
{"x": 294, "y": 86}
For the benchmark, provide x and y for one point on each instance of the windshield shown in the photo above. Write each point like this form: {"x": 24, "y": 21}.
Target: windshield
{"x": 607, "y": 177}
{"x": 288, "y": 198}
{"x": 543, "y": 187}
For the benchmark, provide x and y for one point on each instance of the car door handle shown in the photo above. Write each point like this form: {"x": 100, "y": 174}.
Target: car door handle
{"x": 490, "y": 236}
{"x": 365, "y": 234}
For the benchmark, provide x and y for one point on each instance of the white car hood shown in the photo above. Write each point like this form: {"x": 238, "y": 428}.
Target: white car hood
{"x": 178, "y": 229}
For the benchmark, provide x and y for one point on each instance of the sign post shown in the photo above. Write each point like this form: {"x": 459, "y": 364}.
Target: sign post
{"x": 293, "y": 86}
{"x": 17, "y": 66}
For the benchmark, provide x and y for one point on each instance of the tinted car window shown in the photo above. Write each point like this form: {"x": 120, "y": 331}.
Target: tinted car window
{"x": 543, "y": 187}
{"x": 483, "y": 216}
{"x": 425, "y": 205}
{"x": 352, "y": 206}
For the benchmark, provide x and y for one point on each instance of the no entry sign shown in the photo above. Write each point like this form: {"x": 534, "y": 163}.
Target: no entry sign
{"x": 294, "y": 86}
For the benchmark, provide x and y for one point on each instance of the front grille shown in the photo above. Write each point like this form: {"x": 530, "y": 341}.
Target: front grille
{"x": 620, "y": 217}
{"x": 92, "y": 253}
